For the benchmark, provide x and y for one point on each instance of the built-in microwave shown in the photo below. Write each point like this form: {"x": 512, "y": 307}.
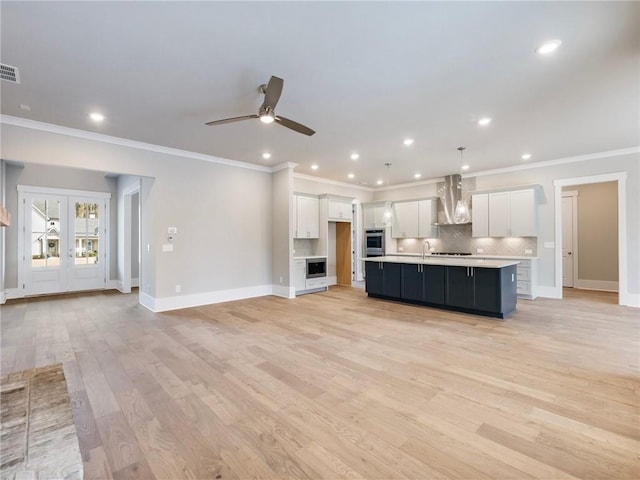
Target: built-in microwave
{"x": 316, "y": 267}
{"x": 375, "y": 243}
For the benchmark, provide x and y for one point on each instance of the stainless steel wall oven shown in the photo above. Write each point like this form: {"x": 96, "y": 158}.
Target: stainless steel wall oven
{"x": 375, "y": 243}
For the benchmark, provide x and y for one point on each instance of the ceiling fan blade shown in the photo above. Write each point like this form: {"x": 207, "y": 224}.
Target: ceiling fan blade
{"x": 298, "y": 127}
{"x": 272, "y": 93}
{"x": 231, "y": 120}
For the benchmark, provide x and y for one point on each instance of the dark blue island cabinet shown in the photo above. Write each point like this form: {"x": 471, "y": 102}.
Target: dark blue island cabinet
{"x": 483, "y": 291}
{"x": 385, "y": 278}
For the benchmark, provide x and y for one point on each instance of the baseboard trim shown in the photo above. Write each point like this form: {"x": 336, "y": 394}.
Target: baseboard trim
{"x": 629, "y": 299}
{"x": 332, "y": 280}
{"x": 283, "y": 291}
{"x": 13, "y": 293}
{"x": 548, "y": 292}
{"x": 207, "y": 298}
{"x": 602, "y": 285}
{"x": 147, "y": 301}
{"x": 135, "y": 282}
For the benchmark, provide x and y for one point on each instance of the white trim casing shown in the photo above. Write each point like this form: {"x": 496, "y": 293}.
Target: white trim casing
{"x": 624, "y": 297}
{"x": 573, "y": 194}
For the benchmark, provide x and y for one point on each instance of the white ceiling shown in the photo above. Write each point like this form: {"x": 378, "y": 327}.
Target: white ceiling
{"x": 363, "y": 75}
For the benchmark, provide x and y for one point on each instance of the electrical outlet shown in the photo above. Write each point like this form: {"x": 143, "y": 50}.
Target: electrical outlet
{"x": 400, "y": 249}
{"x": 178, "y": 288}
{"x": 172, "y": 230}
{"x": 479, "y": 250}
{"x": 528, "y": 251}
{"x": 280, "y": 279}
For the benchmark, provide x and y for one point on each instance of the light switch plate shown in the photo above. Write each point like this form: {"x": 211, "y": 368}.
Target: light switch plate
{"x": 549, "y": 244}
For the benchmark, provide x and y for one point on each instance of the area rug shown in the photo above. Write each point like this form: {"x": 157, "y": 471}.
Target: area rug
{"x": 38, "y": 437}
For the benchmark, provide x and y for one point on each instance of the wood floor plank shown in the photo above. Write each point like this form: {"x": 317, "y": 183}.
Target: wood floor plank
{"x": 338, "y": 385}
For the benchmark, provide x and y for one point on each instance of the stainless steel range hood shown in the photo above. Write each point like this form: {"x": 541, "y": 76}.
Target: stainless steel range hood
{"x": 449, "y": 192}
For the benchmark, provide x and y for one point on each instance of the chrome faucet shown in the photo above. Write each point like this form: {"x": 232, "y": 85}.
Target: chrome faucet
{"x": 426, "y": 244}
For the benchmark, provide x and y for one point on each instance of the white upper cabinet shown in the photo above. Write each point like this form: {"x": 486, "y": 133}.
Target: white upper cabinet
{"x": 499, "y": 222}
{"x": 405, "y": 220}
{"x": 505, "y": 214}
{"x": 414, "y": 219}
{"x": 523, "y": 213}
{"x": 427, "y": 215}
{"x": 480, "y": 215}
{"x": 339, "y": 209}
{"x": 307, "y": 217}
{"x": 373, "y": 216}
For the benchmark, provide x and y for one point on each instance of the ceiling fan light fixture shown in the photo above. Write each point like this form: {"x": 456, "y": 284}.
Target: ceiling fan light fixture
{"x": 267, "y": 118}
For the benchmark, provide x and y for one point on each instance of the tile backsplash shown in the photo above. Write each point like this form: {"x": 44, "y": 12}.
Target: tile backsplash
{"x": 457, "y": 238}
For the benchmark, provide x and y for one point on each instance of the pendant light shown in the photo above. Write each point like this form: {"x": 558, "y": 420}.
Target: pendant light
{"x": 388, "y": 213}
{"x": 461, "y": 213}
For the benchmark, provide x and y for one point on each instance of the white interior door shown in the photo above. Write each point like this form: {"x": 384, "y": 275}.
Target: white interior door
{"x": 64, "y": 246}
{"x": 568, "y": 256}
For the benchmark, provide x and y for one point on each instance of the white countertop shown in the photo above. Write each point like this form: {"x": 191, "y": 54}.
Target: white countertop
{"x": 479, "y": 255}
{"x": 309, "y": 256}
{"x": 459, "y": 261}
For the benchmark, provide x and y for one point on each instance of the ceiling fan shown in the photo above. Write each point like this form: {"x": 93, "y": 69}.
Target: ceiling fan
{"x": 266, "y": 114}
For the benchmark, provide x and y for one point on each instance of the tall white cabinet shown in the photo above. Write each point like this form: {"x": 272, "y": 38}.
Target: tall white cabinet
{"x": 307, "y": 217}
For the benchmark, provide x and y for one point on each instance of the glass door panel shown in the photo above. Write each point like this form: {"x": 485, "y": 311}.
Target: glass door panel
{"x": 45, "y": 247}
{"x": 87, "y": 233}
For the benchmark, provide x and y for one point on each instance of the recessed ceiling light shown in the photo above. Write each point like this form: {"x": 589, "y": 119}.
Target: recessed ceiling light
{"x": 355, "y": 156}
{"x": 314, "y": 167}
{"x": 526, "y": 156}
{"x": 548, "y": 47}
{"x": 96, "y": 117}
{"x": 266, "y": 155}
{"x": 417, "y": 175}
{"x": 484, "y": 121}
{"x": 351, "y": 175}
{"x": 379, "y": 182}
{"x": 465, "y": 167}
{"x": 408, "y": 141}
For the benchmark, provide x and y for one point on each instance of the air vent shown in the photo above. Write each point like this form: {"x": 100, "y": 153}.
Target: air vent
{"x": 9, "y": 73}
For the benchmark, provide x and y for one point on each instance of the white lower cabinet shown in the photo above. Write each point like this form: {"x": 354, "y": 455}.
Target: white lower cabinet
{"x": 299, "y": 274}
{"x": 315, "y": 283}
{"x": 527, "y": 278}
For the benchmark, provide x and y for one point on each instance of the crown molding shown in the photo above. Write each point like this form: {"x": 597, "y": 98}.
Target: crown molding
{"x": 303, "y": 176}
{"x": 559, "y": 161}
{"x": 123, "y": 142}
{"x": 430, "y": 181}
{"x": 283, "y": 166}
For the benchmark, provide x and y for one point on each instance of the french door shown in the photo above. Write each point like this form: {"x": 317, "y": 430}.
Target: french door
{"x": 65, "y": 240}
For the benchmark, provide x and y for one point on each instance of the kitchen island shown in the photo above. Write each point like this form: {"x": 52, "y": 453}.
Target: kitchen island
{"x": 470, "y": 285}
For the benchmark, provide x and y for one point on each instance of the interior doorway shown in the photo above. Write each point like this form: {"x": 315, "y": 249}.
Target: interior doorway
{"x": 620, "y": 258}
{"x": 343, "y": 253}
{"x": 569, "y": 238}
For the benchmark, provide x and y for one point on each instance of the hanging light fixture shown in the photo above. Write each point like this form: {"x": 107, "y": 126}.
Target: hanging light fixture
{"x": 461, "y": 213}
{"x": 388, "y": 213}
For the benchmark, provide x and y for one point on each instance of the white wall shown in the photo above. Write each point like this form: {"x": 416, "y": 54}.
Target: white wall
{"x": 2, "y": 232}
{"x": 222, "y": 212}
{"x": 282, "y": 232}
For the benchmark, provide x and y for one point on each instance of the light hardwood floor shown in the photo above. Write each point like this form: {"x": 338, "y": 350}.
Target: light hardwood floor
{"x": 337, "y": 385}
